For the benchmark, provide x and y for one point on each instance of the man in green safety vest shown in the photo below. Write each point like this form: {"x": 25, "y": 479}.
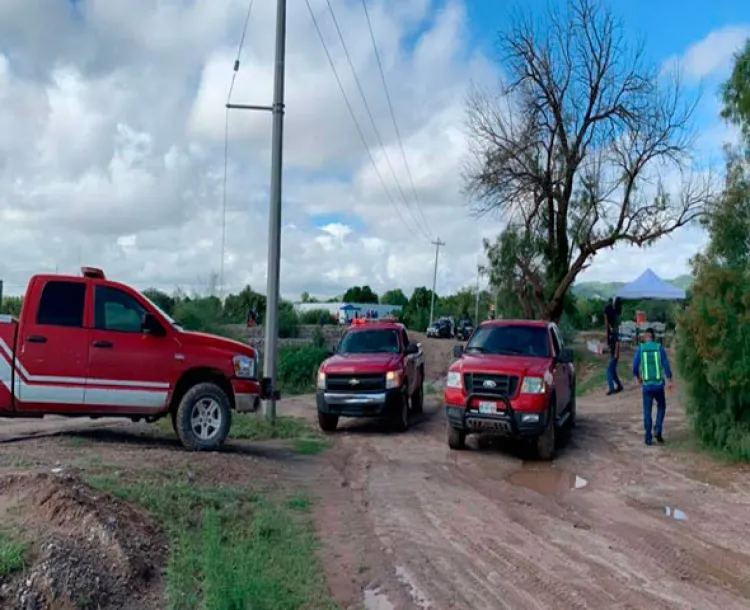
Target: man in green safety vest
{"x": 651, "y": 367}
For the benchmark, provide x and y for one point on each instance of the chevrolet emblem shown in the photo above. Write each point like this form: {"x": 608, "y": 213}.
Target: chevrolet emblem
{"x": 354, "y": 382}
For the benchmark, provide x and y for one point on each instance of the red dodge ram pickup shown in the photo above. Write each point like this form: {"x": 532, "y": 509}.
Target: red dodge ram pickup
{"x": 375, "y": 372}
{"x": 515, "y": 378}
{"x": 89, "y": 347}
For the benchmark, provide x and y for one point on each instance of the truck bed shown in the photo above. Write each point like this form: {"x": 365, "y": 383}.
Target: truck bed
{"x": 8, "y": 331}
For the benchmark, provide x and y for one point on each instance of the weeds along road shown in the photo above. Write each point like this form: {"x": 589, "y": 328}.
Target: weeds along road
{"x": 406, "y": 523}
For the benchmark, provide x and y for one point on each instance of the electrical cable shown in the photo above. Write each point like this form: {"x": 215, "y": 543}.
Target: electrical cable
{"x": 372, "y": 119}
{"x": 393, "y": 115}
{"x": 235, "y": 69}
{"x": 351, "y": 112}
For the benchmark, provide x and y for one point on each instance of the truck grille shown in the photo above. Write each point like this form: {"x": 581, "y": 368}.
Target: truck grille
{"x": 505, "y": 385}
{"x": 364, "y": 383}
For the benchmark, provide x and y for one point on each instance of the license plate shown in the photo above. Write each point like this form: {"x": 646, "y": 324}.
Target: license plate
{"x": 488, "y": 408}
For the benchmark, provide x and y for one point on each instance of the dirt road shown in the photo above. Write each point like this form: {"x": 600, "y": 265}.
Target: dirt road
{"x": 611, "y": 524}
{"x": 407, "y": 523}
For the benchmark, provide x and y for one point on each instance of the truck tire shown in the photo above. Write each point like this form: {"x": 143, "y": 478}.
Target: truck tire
{"x": 400, "y": 421}
{"x": 572, "y": 407}
{"x": 203, "y": 417}
{"x": 327, "y": 422}
{"x": 456, "y": 438}
{"x": 417, "y": 399}
{"x": 545, "y": 442}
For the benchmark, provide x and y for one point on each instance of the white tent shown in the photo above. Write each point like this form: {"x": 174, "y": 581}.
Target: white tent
{"x": 650, "y": 286}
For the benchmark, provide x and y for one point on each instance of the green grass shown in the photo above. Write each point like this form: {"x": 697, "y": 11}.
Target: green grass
{"x": 12, "y": 553}
{"x": 232, "y": 548}
{"x": 591, "y": 370}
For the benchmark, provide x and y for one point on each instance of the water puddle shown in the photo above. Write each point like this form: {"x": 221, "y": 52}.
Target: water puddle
{"x": 375, "y": 600}
{"x": 416, "y": 593}
{"x": 675, "y": 513}
{"x": 547, "y": 481}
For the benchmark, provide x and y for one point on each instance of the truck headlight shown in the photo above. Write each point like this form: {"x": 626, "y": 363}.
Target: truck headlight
{"x": 321, "y": 380}
{"x": 244, "y": 367}
{"x": 453, "y": 380}
{"x": 533, "y": 385}
{"x": 392, "y": 380}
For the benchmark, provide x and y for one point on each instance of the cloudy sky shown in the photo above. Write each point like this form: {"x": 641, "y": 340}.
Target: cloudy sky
{"x": 112, "y": 130}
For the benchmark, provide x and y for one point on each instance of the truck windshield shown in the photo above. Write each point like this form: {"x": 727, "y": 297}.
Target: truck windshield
{"x": 370, "y": 342}
{"x": 510, "y": 340}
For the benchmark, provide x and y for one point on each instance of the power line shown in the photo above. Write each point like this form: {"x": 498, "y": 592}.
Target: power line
{"x": 235, "y": 69}
{"x": 372, "y": 119}
{"x": 351, "y": 111}
{"x": 437, "y": 243}
{"x": 393, "y": 115}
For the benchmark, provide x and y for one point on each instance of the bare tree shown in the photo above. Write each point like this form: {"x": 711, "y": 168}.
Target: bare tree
{"x": 585, "y": 146}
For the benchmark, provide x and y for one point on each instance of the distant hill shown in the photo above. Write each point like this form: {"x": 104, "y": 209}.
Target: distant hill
{"x": 605, "y": 290}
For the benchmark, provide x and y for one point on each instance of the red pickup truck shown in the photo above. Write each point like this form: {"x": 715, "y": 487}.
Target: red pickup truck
{"x": 375, "y": 372}
{"x": 89, "y": 347}
{"x": 515, "y": 378}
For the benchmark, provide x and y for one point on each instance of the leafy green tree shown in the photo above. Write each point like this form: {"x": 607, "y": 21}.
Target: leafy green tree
{"x": 714, "y": 331}
{"x": 161, "y": 299}
{"x": 576, "y": 151}
{"x": 360, "y": 294}
{"x": 11, "y": 306}
{"x": 736, "y": 93}
{"x": 236, "y": 306}
{"x": 394, "y": 297}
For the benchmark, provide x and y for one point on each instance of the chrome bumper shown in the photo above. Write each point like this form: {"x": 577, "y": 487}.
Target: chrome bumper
{"x": 333, "y": 398}
{"x": 246, "y": 403}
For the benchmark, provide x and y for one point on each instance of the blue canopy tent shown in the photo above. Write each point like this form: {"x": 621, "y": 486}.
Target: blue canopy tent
{"x": 650, "y": 286}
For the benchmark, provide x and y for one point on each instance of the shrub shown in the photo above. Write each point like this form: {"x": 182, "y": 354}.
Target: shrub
{"x": 298, "y": 367}
{"x": 204, "y": 315}
{"x": 288, "y": 321}
{"x": 314, "y": 316}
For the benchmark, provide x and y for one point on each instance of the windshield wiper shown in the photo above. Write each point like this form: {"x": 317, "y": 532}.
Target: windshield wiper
{"x": 476, "y": 348}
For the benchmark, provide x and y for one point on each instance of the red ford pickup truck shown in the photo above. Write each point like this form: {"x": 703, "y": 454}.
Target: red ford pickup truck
{"x": 375, "y": 372}
{"x": 86, "y": 346}
{"x": 515, "y": 378}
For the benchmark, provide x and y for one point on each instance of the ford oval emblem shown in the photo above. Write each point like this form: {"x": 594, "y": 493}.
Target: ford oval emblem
{"x": 489, "y": 384}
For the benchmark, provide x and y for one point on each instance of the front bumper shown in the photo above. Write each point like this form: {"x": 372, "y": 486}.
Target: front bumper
{"x": 247, "y": 395}
{"x": 361, "y": 404}
{"x": 507, "y": 422}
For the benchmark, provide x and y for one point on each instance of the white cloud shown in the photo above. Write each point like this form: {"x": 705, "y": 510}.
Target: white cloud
{"x": 712, "y": 55}
{"x": 113, "y": 141}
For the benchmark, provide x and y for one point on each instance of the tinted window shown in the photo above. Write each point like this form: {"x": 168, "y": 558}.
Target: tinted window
{"x": 511, "y": 340}
{"x": 62, "y": 304}
{"x": 370, "y": 342}
{"x": 117, "y": 310}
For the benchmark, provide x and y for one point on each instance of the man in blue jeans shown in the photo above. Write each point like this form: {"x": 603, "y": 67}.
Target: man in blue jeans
{"x": 651, "y": 367}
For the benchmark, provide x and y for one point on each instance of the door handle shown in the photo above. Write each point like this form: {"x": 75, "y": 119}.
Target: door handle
{"x": 37, "y": 339}
{"x": 103, "y": 344}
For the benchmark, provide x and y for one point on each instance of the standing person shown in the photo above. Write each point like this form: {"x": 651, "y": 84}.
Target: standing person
{"x": 612, "y": 321}
{"x": 650, "y": 367}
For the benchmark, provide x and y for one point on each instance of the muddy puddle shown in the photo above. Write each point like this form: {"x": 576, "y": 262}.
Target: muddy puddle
{"x": 547, "y": 481}
{"x": 375, "y": 600}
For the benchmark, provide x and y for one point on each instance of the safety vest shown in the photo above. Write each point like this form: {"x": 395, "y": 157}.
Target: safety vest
{"x": 651, "y": 368}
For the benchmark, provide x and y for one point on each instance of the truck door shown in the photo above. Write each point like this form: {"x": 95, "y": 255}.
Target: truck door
{"x": 561, "y": 374}
{"x": 128, "y": 371}
{"x": 52, "y": 351}
{"x": 409, "y": 364}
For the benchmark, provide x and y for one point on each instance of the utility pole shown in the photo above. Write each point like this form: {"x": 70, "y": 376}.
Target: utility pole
{"x": 437, "y": 245}
{"x": 476, "y": 306}
{"x": 271, "y": 346}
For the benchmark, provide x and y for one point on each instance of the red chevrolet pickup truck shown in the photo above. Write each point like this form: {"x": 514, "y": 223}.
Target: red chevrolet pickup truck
{"x": 89, "y": 347}
{"x": 375, "y": 372}
{"x": 515, "y": 378}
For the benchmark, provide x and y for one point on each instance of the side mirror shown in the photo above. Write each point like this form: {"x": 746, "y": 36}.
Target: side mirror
{"x": 151, "y": 326}
{"x": 412, "y": 349}
{"x": 458, "y": 351}
{"x": 566, "y": 356}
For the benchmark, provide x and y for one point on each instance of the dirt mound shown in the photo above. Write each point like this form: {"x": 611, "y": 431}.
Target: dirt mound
{"x": 87, "y": 549}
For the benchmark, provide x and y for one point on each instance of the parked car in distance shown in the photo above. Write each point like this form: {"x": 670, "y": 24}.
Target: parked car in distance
{"x": 440, "y": 329}
{"x": 514, "y": 378}
{"x": 90, "y": 347}
{"x": 375, "y": 372}
{"x": 464, "y": 329}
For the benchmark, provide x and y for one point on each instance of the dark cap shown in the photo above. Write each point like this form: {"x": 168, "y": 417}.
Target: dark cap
{"x": 650, "y": 330}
